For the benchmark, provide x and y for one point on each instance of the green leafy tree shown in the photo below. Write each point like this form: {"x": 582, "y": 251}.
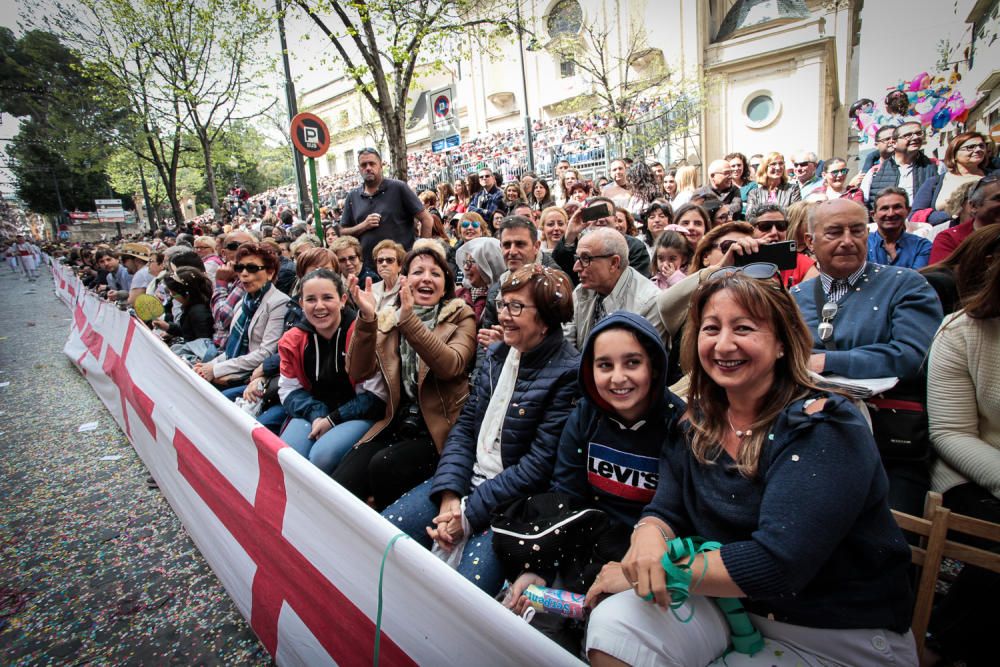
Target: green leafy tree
{"x": 57, "y": 153}
{"x": 181, "y": 67}
{"x": 205, "y": 51}
{"x": 383, "y": 43}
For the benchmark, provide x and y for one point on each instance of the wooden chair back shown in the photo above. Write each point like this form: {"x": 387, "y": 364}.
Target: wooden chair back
{"x": 934, "y": 546}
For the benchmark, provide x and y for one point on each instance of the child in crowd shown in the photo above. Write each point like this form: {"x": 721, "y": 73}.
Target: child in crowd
{"x": 607, "y": 461}
{"x": 671, "y": 257}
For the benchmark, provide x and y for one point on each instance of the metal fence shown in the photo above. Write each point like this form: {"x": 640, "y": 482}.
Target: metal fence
{"x": 667, "y": 137}
{"x": 588, "y": 156}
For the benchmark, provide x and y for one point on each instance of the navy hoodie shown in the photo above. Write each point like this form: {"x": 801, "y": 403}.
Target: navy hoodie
{"x": 603, "y": 461}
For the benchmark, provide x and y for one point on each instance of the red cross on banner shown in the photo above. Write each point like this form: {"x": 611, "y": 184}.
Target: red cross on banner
{"x": 114, "y": 368}
{"x": 283, "y": 574}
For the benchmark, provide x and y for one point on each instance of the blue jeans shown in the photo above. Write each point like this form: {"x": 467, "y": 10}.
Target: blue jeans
{"x": 413, "y": 513}
{"x": 273, "y": 418}
{"x": 232, "y": 393}
{"x": 326, "y": 452}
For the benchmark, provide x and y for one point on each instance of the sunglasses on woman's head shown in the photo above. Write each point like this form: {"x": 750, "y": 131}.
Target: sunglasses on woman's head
{"x": 756, "y": 270}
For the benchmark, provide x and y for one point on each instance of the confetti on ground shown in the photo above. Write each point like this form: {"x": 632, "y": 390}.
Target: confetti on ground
{"x": 89, "y": 426}
{"x": 95, "y": 568}
{"x": 110, "y": 457}
{"x": 4, "y": 384}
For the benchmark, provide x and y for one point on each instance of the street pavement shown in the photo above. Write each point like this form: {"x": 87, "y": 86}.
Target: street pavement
{"x": 95, "y": 568}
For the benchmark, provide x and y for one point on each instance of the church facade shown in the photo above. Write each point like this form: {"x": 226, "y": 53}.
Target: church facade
{"x": 767, "y": 75}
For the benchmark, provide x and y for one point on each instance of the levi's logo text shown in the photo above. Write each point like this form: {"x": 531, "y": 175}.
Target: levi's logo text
{"x": 621, "y": 474}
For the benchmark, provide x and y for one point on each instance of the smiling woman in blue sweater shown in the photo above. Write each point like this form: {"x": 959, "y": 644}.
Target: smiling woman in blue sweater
{"x": 787, "y": 478}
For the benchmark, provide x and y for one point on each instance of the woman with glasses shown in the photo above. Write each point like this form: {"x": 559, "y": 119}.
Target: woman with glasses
{"x": 258, "y": 321}
{"x": 718, "y": 212}
{"x": 773, "y": 186}
{"x": 503, "y": 445}
{"x": 823, "y": 581}
{"x": 967, "y": 159}
{"x": 388, "y": 256}
{"x": 835, "y": 183}
{"x": 416, "y": 358}
{"x": 482, "y": 264}
{"x": 470, "y": 226}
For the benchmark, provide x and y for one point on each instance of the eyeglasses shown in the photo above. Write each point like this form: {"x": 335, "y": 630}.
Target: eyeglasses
{"x": 767, "y": 225}
{"x": 468, "y": 263}
{"x": 838, "y": 172}
{"x": 910, "y": 135}
{"x": 513, "y": 307}
{"x": 755, "y": 270}
{"x": 233, "y": 245}
{"x": 799, "y": 165}
{"x": 992, "y": 178}
{"x": 349, "y": 259}
{"x": 249, "y": 268}
{"x": 483, "y": 177}
{"x": 828, "y": 312}
{"x": 385, "y": 260}
{"x": 724, "y": 246}
{"x": 585, "y": 260}
{"x": 470, "y": 223}
{"x": 969, "y": 148}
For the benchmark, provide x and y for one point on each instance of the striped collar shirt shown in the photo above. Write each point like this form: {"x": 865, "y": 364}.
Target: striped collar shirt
{"x": 837, "y": 288}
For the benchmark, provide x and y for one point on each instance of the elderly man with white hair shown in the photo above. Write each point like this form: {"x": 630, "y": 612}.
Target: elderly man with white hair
{"x": 607, "y": 284}
{"x": 804, "y": 164}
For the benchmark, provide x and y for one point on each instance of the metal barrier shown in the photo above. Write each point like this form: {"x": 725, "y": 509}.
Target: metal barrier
{"x": 589, "y": 156}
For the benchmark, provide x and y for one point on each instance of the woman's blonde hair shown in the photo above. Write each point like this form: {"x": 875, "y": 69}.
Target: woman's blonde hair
{"x": 688, "y": 178}
{"x": 770, "y": 305}
{"x": 798, "y": 217}
{"x": 761, "y": 176}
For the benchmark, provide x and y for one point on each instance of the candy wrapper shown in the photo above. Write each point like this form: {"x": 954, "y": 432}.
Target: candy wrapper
{"x": 554, "y": 601}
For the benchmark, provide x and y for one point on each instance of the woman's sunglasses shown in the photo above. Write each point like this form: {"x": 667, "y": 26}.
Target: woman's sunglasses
{"x": 249, "y": 268}
{"x": 470, "y": 223}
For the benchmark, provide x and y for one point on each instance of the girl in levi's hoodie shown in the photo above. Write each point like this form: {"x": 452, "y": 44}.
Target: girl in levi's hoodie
{"x": 608, "y": 456}
{"x": 328, "y": 412}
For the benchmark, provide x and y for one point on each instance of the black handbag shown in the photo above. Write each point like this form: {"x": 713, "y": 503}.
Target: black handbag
{"x": 551, "y": 533}
{"x": 900, "y": 426}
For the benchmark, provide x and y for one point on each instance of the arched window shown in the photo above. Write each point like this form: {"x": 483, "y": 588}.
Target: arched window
{"x": 566, "y": 18}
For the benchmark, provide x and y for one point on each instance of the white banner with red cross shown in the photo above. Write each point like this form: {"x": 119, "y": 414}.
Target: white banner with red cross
{"x": 299, "y": 554}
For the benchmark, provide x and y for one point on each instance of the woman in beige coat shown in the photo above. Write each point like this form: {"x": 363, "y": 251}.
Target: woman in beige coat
{"x": 417, "y": 359}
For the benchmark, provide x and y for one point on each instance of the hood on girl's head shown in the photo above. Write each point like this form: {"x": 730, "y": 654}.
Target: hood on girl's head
{"x": 644, "y": 331}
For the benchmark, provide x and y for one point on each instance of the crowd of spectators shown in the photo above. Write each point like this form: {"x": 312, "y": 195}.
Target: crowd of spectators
{"x": 652, "y": 361}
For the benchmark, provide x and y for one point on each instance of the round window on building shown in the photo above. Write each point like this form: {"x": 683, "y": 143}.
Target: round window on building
{"x": 566, "y": 18}
{"x": 760, "y": 109}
